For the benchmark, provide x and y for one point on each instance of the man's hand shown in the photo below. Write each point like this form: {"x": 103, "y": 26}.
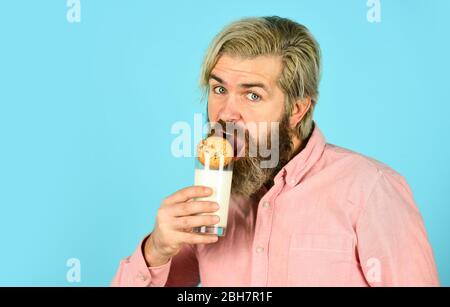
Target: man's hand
{"x": 174, "y": 222}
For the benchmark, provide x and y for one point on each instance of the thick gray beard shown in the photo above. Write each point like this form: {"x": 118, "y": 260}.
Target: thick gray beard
{"x": 249, "y": 177}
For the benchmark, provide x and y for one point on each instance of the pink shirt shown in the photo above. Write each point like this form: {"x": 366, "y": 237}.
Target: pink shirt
{"x": 332, "y": 218}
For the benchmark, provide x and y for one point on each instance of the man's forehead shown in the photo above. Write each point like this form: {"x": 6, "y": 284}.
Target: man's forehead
{"x": 265, "y": 69}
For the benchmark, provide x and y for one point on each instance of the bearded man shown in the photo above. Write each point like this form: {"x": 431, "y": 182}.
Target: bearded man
{"x": 321, "y": 215}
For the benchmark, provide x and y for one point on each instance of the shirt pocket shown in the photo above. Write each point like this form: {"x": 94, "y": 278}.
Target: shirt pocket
{"x": 320, "y": 259}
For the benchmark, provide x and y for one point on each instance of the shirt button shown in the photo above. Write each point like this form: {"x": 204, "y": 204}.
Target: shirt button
{"x": 259, "y": 249}
{"x": 266, "y": 204}
{"x": 142, "y": 277}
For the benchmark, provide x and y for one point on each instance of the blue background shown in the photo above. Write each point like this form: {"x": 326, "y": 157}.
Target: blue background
{"x": 86, "y": 111}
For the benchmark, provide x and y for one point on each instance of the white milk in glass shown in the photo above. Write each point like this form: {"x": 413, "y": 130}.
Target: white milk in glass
{"x": 220, "y": 182}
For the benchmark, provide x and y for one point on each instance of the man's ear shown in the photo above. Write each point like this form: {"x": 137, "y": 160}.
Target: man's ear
{"x": 301, "y": 106}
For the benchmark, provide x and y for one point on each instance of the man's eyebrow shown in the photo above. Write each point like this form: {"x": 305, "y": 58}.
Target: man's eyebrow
{"x": 213, "y": 76}
{"x": 248, "y": 85}
{"x": 244, "y": 85}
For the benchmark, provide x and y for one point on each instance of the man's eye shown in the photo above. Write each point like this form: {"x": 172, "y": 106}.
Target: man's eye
{"x": 219, "y": 90}
{"x": 253, "y": 97}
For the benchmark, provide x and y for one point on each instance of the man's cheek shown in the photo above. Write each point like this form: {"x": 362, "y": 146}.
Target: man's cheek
{"x": 212, "y": 113}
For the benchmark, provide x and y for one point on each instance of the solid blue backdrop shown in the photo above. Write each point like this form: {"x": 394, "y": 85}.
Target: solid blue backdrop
{"x": 86, "y": 111}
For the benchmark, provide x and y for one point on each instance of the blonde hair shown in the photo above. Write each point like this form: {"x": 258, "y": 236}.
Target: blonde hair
{"x": 299, "y": 51}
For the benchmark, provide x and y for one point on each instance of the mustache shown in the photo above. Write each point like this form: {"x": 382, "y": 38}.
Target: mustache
{"x": 249, "y": 174}
{"x": 238, "y": 136}
{"x": 223, "y": 128}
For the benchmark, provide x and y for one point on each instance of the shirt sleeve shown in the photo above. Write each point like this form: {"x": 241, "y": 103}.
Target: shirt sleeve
{"x": 392, "y": 243}
{"x": 181, "y": 270}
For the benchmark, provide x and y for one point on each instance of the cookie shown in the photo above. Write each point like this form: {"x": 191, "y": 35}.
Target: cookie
{"x": 215, "y": 147}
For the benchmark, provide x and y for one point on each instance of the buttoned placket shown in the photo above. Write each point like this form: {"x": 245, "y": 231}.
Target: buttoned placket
{"x": 261, "y": 240}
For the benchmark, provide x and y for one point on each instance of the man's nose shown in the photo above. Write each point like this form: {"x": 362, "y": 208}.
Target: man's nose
{"x": 230, "y": 111}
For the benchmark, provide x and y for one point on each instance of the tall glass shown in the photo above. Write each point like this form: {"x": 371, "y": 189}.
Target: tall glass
{"x": 216, "y": 173}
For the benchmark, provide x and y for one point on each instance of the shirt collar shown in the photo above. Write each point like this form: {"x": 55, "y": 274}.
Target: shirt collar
{"x": 301, "y": 163}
